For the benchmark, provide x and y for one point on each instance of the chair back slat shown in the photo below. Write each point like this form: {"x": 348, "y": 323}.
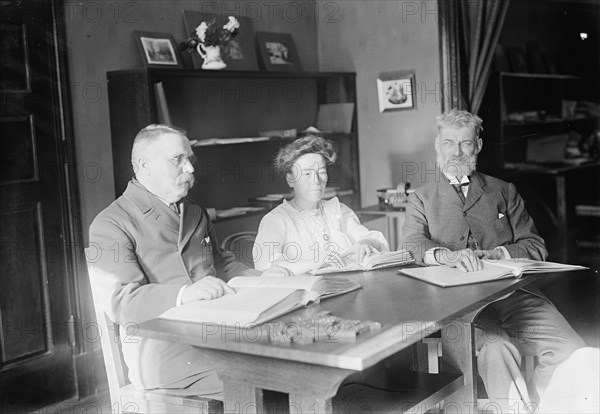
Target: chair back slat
{"x": 241, "y": 245}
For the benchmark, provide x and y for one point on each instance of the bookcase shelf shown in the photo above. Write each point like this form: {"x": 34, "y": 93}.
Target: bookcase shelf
{"x": 229, "y": 104}
{"x": 550, "y": 189}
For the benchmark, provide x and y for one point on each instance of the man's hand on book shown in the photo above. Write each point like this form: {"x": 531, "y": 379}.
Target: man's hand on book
{"x": 276, "y": 270}
{"x": 496, "y": 254}
{"x": 207, "y": 288}
{"x": 466, "y": 260}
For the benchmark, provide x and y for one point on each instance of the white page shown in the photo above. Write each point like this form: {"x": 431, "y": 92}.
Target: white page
{"x": 242, "y": 308}
{"x": 295, "y": 282}
{"x": 451, "y": 276}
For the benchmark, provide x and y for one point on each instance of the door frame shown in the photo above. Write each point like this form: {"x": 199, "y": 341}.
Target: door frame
{"x": 79, "y": 293}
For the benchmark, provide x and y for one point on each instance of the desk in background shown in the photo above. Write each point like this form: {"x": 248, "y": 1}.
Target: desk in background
{"x": 394, "y": 219}
{"x": 560, "y": 208}
{"x": 311, "y": 374}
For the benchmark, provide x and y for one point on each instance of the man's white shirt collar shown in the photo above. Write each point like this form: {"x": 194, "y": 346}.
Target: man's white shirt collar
{"x": 454, "y": 180}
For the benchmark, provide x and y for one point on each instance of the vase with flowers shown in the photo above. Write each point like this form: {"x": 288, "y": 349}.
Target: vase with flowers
{"x": 209, "y": 41}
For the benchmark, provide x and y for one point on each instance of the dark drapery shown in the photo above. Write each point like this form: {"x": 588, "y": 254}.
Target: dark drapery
{"x": 469, "y": 33}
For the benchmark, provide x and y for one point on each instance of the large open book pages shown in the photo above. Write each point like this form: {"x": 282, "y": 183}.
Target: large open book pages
{"x": 259, "y": 299}
{"x": 372, "y": 262}
{"x": 492, "y": 270}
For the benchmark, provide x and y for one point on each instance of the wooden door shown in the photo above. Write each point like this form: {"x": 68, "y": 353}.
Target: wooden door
{"x": 36, "y": 356}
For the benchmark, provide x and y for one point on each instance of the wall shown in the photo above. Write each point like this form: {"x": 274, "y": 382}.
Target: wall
{"x": 371, "y": 37}
{"x": 100, "y": 39}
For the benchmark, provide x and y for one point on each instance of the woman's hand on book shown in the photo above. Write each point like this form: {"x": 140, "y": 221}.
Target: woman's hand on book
{"x": 335, "y": 259}
{"x": 465, "y": 260}
{"x": 207, "y": 288}
{"x": 364, "y": 249}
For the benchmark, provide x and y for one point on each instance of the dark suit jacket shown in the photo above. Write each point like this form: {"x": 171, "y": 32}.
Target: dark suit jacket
{"x": 494, "y": 213}
{"x": 140, "y": 254}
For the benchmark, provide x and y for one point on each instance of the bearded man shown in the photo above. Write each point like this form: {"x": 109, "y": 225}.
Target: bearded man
{"x": 466, "y": 216}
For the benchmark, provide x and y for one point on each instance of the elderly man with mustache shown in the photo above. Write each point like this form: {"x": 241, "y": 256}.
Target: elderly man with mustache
{"x": 153, "y": 249}
{"x": 465, "y": 216}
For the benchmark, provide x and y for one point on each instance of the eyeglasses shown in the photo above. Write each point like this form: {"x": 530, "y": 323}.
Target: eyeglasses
{"x": 179, "y": 160}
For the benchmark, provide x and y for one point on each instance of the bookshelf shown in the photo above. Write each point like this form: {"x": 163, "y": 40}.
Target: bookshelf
{"x": 227, "y": 106}
{"x": 519, "y": 108}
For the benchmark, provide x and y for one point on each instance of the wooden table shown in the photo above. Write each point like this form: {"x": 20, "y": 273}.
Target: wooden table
{"x": 394, "y": 219}
{"x": 311, "y": 374}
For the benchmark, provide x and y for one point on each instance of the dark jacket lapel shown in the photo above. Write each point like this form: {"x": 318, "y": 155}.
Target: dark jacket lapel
{"x": 191, "y": 216}
{"x": 475, "y": 190}
{"x": 155, "y": 211}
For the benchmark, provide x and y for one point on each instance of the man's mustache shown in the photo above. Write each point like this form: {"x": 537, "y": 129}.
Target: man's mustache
{"x": 186, "y": 178}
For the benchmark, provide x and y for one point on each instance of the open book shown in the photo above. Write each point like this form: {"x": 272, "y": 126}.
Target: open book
{"x": 372, "y": 262}
{"x": 259, "y": 299}
{"x": 492, "y": 270}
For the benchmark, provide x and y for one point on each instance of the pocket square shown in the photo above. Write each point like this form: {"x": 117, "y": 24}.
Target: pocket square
{"x": 500, "y": 215}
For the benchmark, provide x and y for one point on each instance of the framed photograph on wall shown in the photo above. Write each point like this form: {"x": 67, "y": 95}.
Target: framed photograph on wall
{"x": 157, "y": 49}
{"x": 277, "y": 52}
{"x": 240, "y": 53}
{"x": 396, "y": 90}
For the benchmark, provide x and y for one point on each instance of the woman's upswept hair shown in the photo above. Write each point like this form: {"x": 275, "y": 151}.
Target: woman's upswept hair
{"x": 310, "y": 144}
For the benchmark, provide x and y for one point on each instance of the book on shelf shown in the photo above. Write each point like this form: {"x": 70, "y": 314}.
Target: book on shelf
{"x": 227, "y": 141}
{"x": 590, "y": 209}
{"x": 446, "y": 276}
{"x": 593, "y": 242}
{"x": 162, "y": 109}
{"x": 372, "y": 262}
{"x": 259, "y": 299}
{"x": 335, "y": 117}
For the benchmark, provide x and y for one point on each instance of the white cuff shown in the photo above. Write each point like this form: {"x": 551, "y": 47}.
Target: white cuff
{"x": 505, "y": 252}
{"x": 180, "y": 296}
{"x": 429, "y": 258}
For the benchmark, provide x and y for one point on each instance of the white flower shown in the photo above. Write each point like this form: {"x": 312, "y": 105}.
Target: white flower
{"x": 232, "y": 24}
{"x": 201, "y": 31}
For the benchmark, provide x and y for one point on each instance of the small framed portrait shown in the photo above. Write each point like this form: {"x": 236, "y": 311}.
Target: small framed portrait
{"x": 396, "y": 90}
{"x": 277, "y": 52}
{"x": 157, "y": 49}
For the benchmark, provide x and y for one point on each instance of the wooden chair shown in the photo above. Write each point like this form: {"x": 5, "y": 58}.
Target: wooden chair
{"x": 123, "y": 396}
{"x": 241, "y": 245}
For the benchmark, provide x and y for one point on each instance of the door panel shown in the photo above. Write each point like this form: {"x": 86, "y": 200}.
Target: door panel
{"x": 36, "y": 356}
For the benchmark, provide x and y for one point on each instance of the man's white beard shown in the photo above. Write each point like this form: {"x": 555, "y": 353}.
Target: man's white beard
{"x": 457, "y": 166}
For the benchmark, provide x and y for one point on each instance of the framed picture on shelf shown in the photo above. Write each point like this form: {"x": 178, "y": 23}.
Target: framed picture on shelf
{"x": 157, "y": 49}
{"x": 277, "y": 52}
{"x": 396, "y": 90}
{"x": 240, "y": 53}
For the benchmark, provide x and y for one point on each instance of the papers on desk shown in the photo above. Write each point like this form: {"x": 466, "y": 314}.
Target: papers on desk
{"x": 492, "y": 270}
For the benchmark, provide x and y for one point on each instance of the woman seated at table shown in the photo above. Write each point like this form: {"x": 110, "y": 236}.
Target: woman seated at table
{"x": 306, "y": 233}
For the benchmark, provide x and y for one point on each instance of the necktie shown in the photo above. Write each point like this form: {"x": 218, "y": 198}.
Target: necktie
{"x": 458, "y": 188}
{"x": 174, "y": 207}
{"x": 471, "y": 242}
